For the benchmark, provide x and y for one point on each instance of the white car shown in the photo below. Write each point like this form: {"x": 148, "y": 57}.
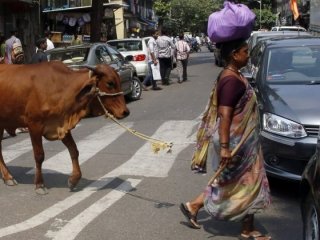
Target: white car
{"x": 288, "y": 28}
{"x": 137, "y": 47}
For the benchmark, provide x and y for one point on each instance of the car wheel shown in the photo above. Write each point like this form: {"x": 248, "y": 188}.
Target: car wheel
{"x": 310, "y": 219}
{"x": 136, "y": 89}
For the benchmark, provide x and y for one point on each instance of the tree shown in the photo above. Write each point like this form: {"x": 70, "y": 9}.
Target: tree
{"x": 268, "y": 19}
{"x": 185, "y": 15}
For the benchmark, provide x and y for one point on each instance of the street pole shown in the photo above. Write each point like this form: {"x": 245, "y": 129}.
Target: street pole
{"x": 260, "y": 12}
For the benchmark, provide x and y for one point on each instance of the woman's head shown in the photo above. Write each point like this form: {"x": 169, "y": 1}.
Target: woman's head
{"x": 235, "y": 52}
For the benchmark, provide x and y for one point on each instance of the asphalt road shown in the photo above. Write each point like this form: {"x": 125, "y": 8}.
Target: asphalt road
{"x": 127, "y": 191}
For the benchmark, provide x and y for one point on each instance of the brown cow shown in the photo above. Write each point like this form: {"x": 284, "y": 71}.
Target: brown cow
{"x": 50, "y": 99}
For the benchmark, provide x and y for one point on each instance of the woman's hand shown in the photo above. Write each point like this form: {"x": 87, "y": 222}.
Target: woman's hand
{"x": 225, "y": 155}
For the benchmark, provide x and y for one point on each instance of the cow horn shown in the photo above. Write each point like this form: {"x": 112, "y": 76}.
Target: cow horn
{"x": 91, "y": 70}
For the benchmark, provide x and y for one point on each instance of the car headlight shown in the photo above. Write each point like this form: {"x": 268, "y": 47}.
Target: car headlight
{"x": 281, "y": 126}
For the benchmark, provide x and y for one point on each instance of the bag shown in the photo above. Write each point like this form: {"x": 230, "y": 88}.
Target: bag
{"x": 17, "y": 54}
{"x": 234, "y": 21}
{"x": 156, "y": 72}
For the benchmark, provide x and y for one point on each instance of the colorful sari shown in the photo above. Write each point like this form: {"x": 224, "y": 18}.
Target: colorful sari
{"x": 242, "y": 187}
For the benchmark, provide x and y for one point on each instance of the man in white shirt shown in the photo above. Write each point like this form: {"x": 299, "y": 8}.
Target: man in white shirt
{"x": 182, "y": 52}
{"x": 152, "y": 59}
{"x": 165, "y": 46}
{"x": 48, "y": 36}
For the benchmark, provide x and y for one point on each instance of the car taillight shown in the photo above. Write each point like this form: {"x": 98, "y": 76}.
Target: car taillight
{"x": 139, "y": 57}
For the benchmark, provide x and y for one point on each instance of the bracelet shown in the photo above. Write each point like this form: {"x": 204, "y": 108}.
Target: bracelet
{"x": 224, "y": 145}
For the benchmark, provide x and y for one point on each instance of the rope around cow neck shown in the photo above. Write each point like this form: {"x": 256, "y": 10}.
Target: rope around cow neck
{"x": 156, "y": 144}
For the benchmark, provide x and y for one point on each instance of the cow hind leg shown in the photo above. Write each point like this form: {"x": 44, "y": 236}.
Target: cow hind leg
{"x": 6, "y": 176}
{"x": 36, "y": 139}
{"x": 69, "y": 142}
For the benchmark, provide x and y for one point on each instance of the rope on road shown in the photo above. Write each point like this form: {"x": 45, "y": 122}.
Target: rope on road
{"x": 156, "y": 144}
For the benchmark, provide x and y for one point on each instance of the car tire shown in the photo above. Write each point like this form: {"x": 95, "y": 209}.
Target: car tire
{"x": 311, "y": 219}
{"x": 136, "y": 89}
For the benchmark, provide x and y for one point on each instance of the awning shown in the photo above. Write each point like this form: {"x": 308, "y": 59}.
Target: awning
{"x": 109, "y": 5}
{"x": 148, "y": 22}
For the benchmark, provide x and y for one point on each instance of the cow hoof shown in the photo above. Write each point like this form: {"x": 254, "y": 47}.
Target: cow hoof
{"x": 11, "y": 182}
{"x": 72, "y": 185}
{"x": 42, "y": 191}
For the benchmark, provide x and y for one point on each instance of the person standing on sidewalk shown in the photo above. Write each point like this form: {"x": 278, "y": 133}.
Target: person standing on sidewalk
{"x": 152, "y": 59}
{"x": 182, "y": 51}
{"x": 165, "y": 46}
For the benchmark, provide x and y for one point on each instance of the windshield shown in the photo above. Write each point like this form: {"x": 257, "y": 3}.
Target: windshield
{"x": 294, "y": 64}
{"x": 126, "y": 46}
{"x": 70, "y": 56}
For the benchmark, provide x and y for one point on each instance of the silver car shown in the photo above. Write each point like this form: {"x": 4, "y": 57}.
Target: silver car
{"x": 100, "y": 53}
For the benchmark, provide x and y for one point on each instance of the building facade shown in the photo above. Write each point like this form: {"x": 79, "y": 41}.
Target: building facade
{"x": 22, "y": 16}
{"x": 120, "y": 19}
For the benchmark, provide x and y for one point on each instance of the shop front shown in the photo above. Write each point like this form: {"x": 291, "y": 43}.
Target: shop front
{"x": 74, "y": 17}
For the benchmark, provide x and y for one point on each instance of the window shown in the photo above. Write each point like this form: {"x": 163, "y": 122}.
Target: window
{"x": 115, "y": 54}
{"x": 301, "y": 63}
{"x": 71, "y": 56}
{"x": 126, "y": 46}
{"x": 103, "y": 55}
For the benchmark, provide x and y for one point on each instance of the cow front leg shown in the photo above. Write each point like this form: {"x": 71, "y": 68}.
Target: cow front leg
{"x": 36, "y": 139}
{"x": 6, "y": 176}
{"x": 74, "y": 154}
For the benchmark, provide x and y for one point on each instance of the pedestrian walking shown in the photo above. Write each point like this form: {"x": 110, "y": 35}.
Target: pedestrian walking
{"x": 230, "y": 121}
{"x": 182, "y": 55}
{"x": 165, "y": 46}
{"x": 152, "y": 59}
{"x": 40, "y": 55}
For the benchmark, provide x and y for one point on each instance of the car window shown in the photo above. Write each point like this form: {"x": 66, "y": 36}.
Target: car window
{"x": 103, "y": 55}
{"x": 294, "y": 64}
{"x": 115, "y": 54}
{"x": 70, "y": 56}
{"x": 126, "y": 46}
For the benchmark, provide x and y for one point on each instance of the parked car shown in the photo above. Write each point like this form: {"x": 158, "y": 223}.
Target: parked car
{"x": 310, "y": 197}
{"x": 288, "y": 28}
{"x": 137, "y": 47}
{"x": 101, "y": 53}
{"x": 285, "y": 73}
{"x": 258, "y": 36}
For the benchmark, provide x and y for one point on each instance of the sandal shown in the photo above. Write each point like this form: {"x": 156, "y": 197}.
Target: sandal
{"x": 192, "y": 219}
{"x": 255, "y": 235}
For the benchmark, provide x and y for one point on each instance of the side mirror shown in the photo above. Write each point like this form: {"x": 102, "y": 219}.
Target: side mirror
{"x": 128, "y": 58}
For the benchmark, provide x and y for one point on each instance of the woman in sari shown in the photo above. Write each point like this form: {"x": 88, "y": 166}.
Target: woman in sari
{"x": 230, "y": 121}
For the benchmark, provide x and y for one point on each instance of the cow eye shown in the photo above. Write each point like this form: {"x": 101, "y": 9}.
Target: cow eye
{"x": 110, "y": 84}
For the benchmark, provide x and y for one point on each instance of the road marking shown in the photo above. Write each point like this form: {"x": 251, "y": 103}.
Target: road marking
{"x": 146, "y": 163}
{"x": 143, "y": 163}
{"x": 88, "y": 147}
{"x": 75, "y": 225}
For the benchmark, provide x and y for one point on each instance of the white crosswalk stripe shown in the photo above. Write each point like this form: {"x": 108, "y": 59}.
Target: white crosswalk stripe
{"x": 87, "y": 147}
{"x": 143, "y": 163}
{"x": 14, "y": 151}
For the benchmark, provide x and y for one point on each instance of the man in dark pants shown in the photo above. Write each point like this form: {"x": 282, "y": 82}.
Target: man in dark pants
{"x": 165, "y": 46}
{"x": 152, "y": 59}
